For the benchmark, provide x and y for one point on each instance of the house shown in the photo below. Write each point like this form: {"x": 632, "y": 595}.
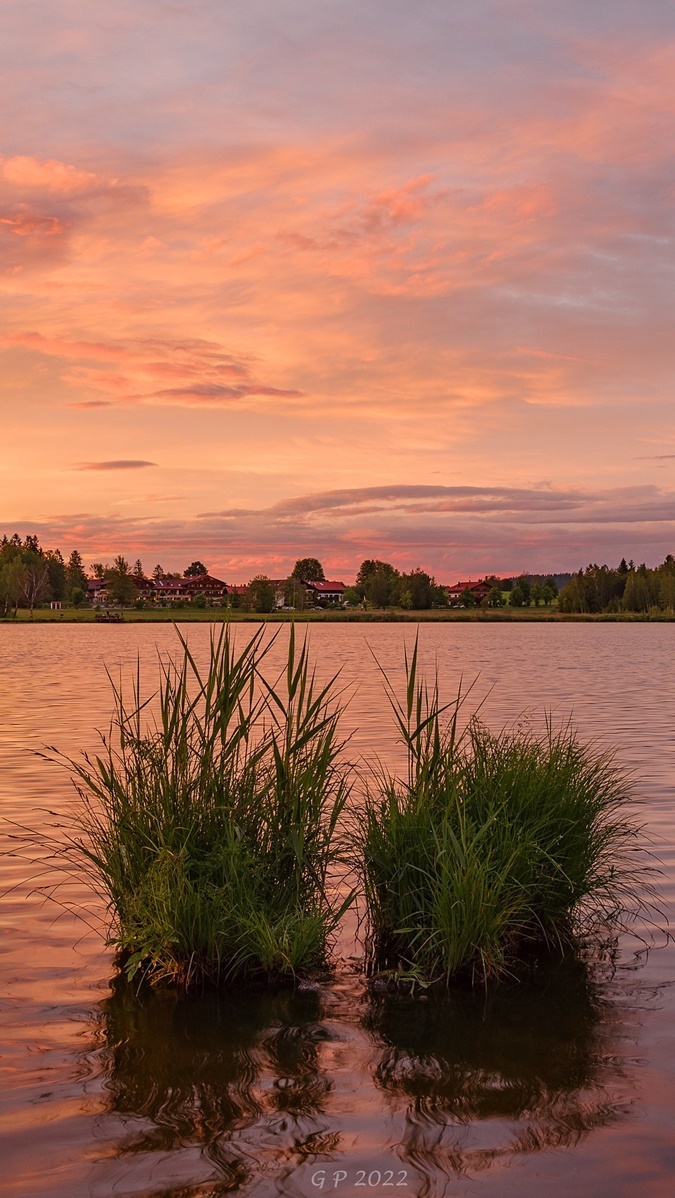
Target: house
{"x": 166, "y": 589}
{"x": 184, "y": 588}
{"x": 97, "y": 589}
{"x": 204, "y": 584}
{"x": 479, "y": 590}
{"x": 325, "y": 592}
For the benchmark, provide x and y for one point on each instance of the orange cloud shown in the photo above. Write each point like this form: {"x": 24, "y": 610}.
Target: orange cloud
{"x": 50, "y": 175}
{"x": 199, "y": 365}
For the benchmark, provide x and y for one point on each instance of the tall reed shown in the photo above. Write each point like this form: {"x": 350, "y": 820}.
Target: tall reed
{"x": 492, "y": 842}
{"x": 209, "y": 828}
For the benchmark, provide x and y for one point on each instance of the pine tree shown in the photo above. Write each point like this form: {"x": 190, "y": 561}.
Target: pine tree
{"x": 76, "y": 579}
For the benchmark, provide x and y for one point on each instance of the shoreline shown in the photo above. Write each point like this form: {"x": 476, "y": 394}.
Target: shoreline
{"x": 393, "y": 616}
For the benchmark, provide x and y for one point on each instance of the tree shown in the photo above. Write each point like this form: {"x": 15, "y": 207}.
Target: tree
{"x": 195, "y": 570}
{"x": 11, "y": 576}
{"x": 368, "y": 568}
{"x": 642, "y": 590}
{"x": 309, "y": 569}
{"x": 517, "y": 598}
{"x": 467, "y": 598}
{"x": 295, "y": 594}
{"x": 77, "y": 596}
{"x": 158, "y": 572}
{"x": 261, "y": 594}
{"x": 34, "y": 578}
{"x": 526, "y": 589}
{"x": 379, "y": 583}
{"x": 419, "y": 587}
{"x": 591, "y": 590}
{"x": 56, "y": 573}
{"x": 76, "y": 579}
{"x": 352, "y": 596}
{"x": 667, "y": 591}
{"x": 550, "y": 590}
{"x": 138, "y": 571}
{"x": 121, "y": 586}
{"x": 537, "y": 594}
{"x": 494, "y": 598}
{"x": 99, "y": 570}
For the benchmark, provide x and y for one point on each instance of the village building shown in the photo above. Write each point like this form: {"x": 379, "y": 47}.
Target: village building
{"x": 214, "y": 590}
{"x": 155, "y": 590}
{"x": 325, "y": 592}
{"x": 97, "y": 589}
{"x": 204, "y": 584}
{"x": 479, "y": 590}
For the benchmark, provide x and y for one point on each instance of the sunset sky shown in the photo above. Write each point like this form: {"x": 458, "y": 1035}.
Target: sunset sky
{"x": 375, "y": 279}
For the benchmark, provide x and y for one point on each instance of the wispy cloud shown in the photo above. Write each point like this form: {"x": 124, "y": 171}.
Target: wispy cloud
{"x": 447, "y": 530}
{"x": 87, "y": 404}
{"x": 119, "y": 464}
{"x": 205, "y": 374}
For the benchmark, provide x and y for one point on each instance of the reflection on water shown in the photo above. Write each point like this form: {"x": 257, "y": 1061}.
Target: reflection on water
{"x": 205, "y": 1071}
{"x": 245, "y": 1082}
{"x": 535, "y": 1060}
{"x": 240, "y": 1079}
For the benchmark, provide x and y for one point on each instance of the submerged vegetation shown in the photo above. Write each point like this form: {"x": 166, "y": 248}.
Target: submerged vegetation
{"x": 210, "y": 829}
{"x": 493, "y": 843}
{"x": 213, "y": 825}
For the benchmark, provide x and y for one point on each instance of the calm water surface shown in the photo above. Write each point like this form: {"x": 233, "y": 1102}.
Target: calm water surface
{"x": 562, "y": 1087}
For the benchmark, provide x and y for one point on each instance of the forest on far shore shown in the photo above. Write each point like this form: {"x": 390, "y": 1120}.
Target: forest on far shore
{"x": 31, "y": 576}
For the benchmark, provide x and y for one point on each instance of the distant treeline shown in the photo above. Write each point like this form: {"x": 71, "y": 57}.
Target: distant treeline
{"x": 627, "y": 588}
{"x": 31, "y": 575}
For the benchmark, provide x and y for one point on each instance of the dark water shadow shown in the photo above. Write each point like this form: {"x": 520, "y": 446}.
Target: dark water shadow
{"x": 213, "y": 1093}
{"x": 218, "y": 1089}
{"x": 484, "y": 1078}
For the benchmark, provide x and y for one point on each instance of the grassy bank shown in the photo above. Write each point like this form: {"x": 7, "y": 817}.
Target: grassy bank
{"x": 387, "y": 616}
{"x": 492, "y": 844}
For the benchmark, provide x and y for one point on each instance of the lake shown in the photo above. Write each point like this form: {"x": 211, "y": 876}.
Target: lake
{"x": 564, "y": 1086}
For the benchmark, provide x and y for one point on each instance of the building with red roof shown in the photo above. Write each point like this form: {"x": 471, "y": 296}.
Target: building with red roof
{"x": 479, "y": 590}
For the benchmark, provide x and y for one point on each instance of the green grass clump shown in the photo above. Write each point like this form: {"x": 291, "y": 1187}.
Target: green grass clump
{"x": 493, "y": 843}
{"x": 210, "y": 828}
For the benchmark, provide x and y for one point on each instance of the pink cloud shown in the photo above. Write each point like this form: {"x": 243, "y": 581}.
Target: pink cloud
{"x": 424, "y": 246}
{"x": 50, "y": 175}
{"x": 200, "y": 365}
{"x": 444, "y": 529}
